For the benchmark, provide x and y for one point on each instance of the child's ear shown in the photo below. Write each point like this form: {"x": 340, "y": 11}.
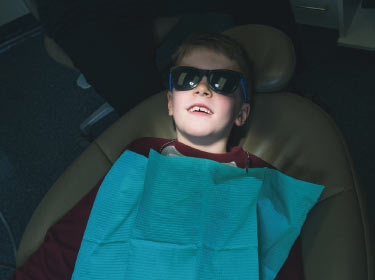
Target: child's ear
{"x": 170, "y": 99}
{"x": 243, "y": 114}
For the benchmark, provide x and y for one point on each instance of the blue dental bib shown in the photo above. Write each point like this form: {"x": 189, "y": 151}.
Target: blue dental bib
{"x": 193, "y": 219}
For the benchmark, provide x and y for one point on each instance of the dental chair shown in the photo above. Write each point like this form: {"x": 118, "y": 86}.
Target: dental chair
{"x": 287, "y": 130}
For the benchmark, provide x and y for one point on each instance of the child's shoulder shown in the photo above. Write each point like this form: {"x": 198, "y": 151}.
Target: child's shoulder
{"x": 143, "y": 145}
{"x": 257, "y": 162}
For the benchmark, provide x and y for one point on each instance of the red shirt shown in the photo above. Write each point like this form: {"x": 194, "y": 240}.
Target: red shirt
{"x": 55, "y": 258}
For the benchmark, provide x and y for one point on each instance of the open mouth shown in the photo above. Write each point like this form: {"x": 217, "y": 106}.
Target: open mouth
{"x": 200, "y": 109}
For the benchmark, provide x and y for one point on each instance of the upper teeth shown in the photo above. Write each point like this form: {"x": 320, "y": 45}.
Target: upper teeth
{"x": 202, "y": 109}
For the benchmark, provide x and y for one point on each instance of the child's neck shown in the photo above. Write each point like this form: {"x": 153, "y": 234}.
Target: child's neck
{"x": 216, "y": 147}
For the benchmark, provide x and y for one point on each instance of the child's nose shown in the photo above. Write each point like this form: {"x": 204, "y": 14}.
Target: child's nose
{"x": 203, "y": 88}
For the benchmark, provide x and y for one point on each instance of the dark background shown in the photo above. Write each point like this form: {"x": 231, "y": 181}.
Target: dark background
{"x": 41, "y": 109}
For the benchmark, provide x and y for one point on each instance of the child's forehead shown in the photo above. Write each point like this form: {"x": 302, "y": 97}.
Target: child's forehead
{"x": 204, "y": 58}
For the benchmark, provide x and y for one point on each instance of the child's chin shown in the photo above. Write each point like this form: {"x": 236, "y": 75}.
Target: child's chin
{"x": 200, "y": 132}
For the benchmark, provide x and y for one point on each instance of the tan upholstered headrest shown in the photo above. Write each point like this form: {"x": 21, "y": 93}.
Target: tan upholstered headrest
{"x": 272, "y": 53}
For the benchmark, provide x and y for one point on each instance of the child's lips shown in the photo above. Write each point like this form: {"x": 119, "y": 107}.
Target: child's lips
{"x": 200, "y": 109}
{"x": 203, "y": 114}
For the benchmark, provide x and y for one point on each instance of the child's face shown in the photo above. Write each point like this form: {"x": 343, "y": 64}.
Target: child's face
{"x": 226, "y": 110}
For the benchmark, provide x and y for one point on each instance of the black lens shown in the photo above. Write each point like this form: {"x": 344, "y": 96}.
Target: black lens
{"x": 185, "y": 78}
{"x": 224, "y": 81}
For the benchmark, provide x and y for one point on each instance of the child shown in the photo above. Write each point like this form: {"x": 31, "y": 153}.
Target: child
{"x": 206, "y": 105}
{"x": 210, "y": 89}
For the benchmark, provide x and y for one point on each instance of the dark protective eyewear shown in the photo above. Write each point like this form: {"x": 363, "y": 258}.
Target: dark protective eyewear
{"x": 222, "y": 81}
